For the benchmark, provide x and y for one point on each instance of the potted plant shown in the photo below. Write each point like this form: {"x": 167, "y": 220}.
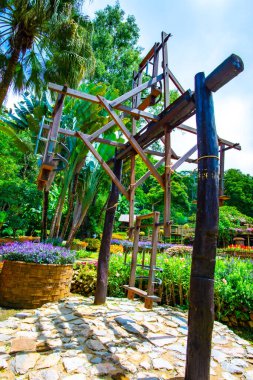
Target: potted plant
{"x": 34, "y": 274}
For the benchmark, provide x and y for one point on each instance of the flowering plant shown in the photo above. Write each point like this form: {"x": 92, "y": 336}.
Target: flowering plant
{"x": 239, "y": 248}
{"x": 37, "y": 253}
{"x": 142, "y": 244}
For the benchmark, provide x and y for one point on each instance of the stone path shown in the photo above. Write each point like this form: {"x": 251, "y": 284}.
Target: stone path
{"x": 75, "y": 340}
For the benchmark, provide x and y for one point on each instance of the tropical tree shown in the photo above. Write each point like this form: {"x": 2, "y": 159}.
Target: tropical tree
{"x": 33, "y": 48}
{"x": 115, "y": 47}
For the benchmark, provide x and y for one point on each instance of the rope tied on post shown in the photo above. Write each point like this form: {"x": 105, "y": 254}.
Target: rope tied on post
{"x": 210, "y": 156}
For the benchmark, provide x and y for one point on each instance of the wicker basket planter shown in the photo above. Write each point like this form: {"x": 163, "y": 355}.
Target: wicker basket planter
{"x": 29, "y": 285}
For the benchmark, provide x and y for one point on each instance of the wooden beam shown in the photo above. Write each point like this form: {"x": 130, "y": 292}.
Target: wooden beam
{"x": 136, "y": 112}
{"x": 73, "y": 93}
{"x": 224, "y": 73}
{"x": 222, "y": 167}
{"x": 147, "y": 57}
{"x": 109, "y": 142}
{"x": 145, "y": 176}
{"x": 187, "y": 128}
{"x": 114, "y": 103}
{"x": 174, "y": 115}
{"x": 154, "y": 152}
{"x": 165, "y": 71}
{"x": 103, "y": 164}
{"x": 131, "y": 140}
{"x": 184, "y": 158}
{"x": 167, "y": 182}
{"x": 176, "y": 82}
{"x": 101, "y": 130}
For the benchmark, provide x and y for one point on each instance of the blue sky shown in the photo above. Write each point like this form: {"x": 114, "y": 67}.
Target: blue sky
{"x": 205, "y": 32}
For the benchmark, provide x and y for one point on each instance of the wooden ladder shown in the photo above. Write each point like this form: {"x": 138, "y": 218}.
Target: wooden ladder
{"x": 131, "y": 289}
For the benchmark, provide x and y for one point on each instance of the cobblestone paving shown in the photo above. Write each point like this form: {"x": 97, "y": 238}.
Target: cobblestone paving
{"x": 75, "y": 340}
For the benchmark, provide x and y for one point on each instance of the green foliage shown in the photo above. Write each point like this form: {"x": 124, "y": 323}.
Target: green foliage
{"x": 115, "y": 47}
{"x": 84, "y": 279}
{"x": 239, "y": 187}
{"x": 33, "y": 49}
{"x": 93, "y": 244}
{"x": 230, "y": 219}
{"x": 118, "y": 276}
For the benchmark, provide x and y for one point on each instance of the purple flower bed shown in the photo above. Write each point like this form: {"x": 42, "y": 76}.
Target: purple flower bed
{"x": 37, "y": 253}
{"x": 142, "y": 244}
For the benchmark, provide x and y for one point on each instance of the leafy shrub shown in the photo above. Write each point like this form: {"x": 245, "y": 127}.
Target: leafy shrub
{"x": 56, "y": 241}
{"x": 37, "y": 253}
{"x": 179, "y": 250}
{"x": 93, "y": 244}
{"x": 115, "y": 248}
{"x": 79, "y": 244}
{"x": 119, "y": 235}
{"x": 84, "y": 278}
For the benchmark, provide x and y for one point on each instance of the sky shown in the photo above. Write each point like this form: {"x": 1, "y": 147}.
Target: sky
{"x": 204, "y": 34}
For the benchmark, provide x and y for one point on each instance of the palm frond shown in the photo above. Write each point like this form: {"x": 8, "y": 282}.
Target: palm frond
{"x": 20, "y": 144}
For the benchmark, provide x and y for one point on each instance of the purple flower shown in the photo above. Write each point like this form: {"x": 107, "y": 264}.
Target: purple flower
{"x": 37, "y": 253}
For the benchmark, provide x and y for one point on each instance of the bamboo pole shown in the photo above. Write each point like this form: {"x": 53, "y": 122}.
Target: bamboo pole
{"x": 201, "y": 311}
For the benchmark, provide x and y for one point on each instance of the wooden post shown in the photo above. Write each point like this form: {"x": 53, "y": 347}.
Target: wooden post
{"x": 167, "y": 181}
{"x": 222, "y": 165}
{"x": 104, "y": 253}
{"x": 201, "y": 311}
{"x": 135, "y": 253}
{"x": 167, "y": 173}
{"x": 136, "y": 83}
{"x": 151, "y": 276}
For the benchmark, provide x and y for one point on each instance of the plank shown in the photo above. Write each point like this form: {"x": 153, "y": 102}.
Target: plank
{"x": 135, "y": 91}
{"x": 132, "y": 140}
{"x": 101, "y": 130}
{"x": 137, "y": 112}
{"x": 103, "y": 164}
{"x": 187, "y": 128}
{"x": 184, "y": 158}
{"x": 146, "y": 175}
{"x": 141, "y": 293}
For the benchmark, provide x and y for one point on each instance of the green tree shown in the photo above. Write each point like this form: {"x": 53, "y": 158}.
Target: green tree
{"x": 239, "y": 187}
{"x": 33, "y": 47}
{"x": 115, "y": 47}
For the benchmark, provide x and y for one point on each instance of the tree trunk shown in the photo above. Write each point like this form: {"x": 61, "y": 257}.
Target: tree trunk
{"x": 201, "y": 311}
{"x": 104, "y": 253}
{"x": 8, "y": 75}
{"x": 44, "y": 215}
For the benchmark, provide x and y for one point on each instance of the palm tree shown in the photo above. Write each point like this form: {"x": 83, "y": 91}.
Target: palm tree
{"x": 42, "y": 40}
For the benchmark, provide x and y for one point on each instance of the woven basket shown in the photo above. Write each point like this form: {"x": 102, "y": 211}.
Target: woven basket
{"x": 30, "y": 285}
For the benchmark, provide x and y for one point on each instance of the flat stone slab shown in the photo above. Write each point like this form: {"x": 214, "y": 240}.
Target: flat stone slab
{"x": 76, "y": 340}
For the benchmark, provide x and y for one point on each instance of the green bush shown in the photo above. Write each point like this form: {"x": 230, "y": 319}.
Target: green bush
{"x": 233, "y": 282}
{"x": 84, "y": 278}
{"x": 93, "y": 244}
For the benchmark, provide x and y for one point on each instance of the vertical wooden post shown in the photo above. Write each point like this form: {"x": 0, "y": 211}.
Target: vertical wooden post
{"x": 151, "y": 276}
{"x": 167, "y": 182}
{"x": 167, "y": 142}
{"x": 104, "y": 252}
{"x": 222, "y": 167}
{"x": 201, "y": 311}
{"x": 135, "y": 102}
{"x": 135, "y": 253}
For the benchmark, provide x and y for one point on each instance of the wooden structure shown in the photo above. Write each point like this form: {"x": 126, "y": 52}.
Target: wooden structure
{"x": 158, "y": 127}
{"x": 210, "y": 173}
{"x": 131, "y": 289}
